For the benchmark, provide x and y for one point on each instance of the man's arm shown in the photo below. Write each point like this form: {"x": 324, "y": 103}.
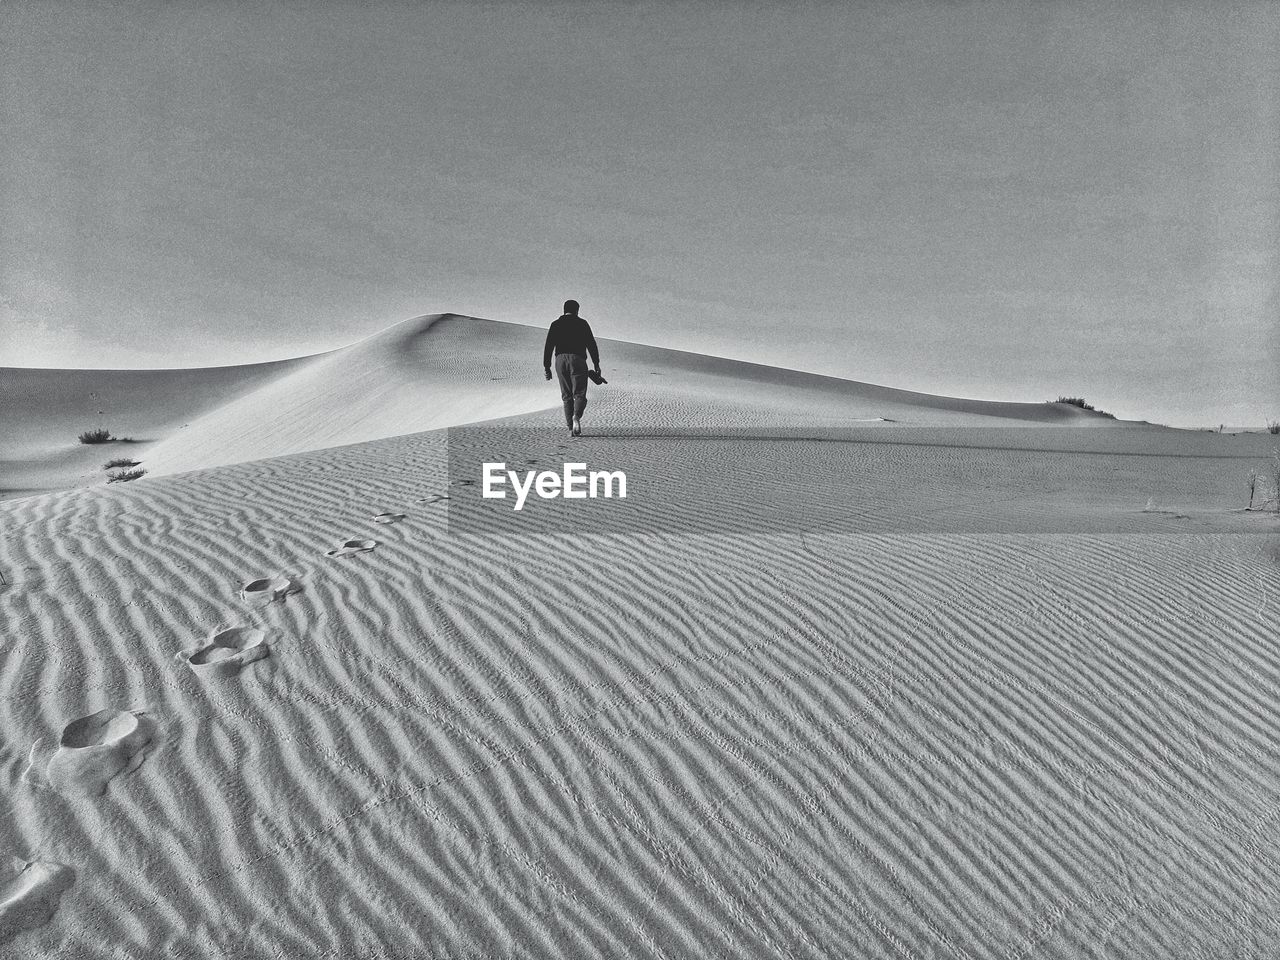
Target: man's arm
{"x": 546, "y": 350}
{"x": 591, "y": 347}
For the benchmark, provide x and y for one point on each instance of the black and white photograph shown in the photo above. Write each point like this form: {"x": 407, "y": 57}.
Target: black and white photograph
{"x": 595, "y": 479}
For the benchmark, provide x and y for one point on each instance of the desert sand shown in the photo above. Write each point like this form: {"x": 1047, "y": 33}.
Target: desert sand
{"x": 266, "y": 701}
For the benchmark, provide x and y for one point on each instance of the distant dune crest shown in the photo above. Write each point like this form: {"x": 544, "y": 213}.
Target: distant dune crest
{"x": 422, "y": 374}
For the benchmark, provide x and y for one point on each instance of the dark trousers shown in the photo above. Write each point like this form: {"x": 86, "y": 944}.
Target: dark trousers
{"x": 571, "y": 371}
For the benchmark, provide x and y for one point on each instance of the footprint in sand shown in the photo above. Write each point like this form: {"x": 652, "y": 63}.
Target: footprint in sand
{"x": 225, "y": 651}
{"x": 388, "y": 517}
{"x": 434, "y": 498}
{"x": 29, "y": 892}
{"x": 268, "y": 589}
{"x": 91, "y": 751}
{"x": 351, "y": 546}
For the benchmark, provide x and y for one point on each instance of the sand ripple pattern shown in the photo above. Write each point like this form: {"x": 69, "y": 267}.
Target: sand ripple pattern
{"x": 729, "y": 746}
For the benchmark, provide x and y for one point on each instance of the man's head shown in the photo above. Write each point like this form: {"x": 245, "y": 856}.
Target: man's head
{"x": 571, "y": 307}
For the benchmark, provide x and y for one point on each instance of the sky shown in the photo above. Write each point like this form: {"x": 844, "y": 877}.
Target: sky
{"x": 1010, "y": 200}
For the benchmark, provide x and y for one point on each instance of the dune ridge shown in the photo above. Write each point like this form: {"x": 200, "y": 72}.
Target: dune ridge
{"x": 425, "y": 373}
{"x": 445, "y": 370}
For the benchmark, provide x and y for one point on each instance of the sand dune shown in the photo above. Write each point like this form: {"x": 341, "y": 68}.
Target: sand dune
{"x": 45, "y": 410}
{"x": 745, "y": 743}
{"x": 422, "y": 374}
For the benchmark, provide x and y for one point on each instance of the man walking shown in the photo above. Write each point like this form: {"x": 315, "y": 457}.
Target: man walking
{"x": 570, "y": 339}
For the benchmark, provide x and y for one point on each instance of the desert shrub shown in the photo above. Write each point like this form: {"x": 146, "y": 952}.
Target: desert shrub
{"x": 120, "y": 462}
{"x": 1083, "y": 405}
{"x": 122, "y": 476}
{"x": 96, "y": 436}
{"x": 1275, "y": 478}
{"x": 1258, "y": 483}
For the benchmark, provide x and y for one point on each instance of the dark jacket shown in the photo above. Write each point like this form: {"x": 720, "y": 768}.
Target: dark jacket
{"x": 570, "y": 334}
